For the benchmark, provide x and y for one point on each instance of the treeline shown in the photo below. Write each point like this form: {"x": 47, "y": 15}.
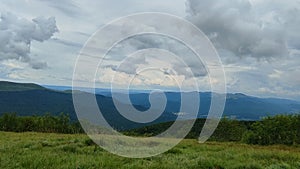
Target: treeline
{"x": 227, "y": 130}
{"x": 47, "y": 123}
{"x": 280, "y": 129}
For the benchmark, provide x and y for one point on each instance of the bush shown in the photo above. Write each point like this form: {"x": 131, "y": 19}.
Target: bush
{"x": 280, "y": 129}
{"x": 229, "y": 130}
{"x": 46, "y": 123}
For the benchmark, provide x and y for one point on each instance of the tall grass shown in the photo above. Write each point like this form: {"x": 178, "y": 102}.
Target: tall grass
{"x": 44, "y": 150}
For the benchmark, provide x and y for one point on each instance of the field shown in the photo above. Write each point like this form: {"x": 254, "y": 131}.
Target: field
{"x": 44, "y": 150}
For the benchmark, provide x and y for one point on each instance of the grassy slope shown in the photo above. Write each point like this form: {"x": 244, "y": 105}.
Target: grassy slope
{"x": 41, "y": 150}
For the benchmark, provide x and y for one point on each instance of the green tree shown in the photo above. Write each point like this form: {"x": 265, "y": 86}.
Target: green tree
{"x": 280, "y": 129}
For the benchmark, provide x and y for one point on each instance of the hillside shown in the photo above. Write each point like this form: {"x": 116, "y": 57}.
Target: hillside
{"x": 32, "y": 99}
{"x": 39, "y": 101}
{"x": 11, "y": 86}
{"x": 238, "y": 105}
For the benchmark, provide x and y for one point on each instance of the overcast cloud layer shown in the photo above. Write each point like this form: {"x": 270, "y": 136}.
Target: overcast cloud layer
{"x": 245, "y": 30}
{"x": 258, "y": 41}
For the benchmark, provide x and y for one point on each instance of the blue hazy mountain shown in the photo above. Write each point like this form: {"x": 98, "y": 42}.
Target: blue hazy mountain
{"x": 33, "y": 99}
{"x": 238, "y": 105}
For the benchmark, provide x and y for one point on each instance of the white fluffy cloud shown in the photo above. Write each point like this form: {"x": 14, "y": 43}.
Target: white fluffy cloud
{"x": 16, "y": 35}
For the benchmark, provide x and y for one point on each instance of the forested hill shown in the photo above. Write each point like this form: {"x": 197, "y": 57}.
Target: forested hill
{"x": 32, "y": 99}
{"x": 11, "y": 86}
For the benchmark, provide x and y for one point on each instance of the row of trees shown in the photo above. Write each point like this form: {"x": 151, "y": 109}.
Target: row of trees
{"x": 230, "y": 130}
{"x": 46, "y": 123}
{"x": 280, "y": 129}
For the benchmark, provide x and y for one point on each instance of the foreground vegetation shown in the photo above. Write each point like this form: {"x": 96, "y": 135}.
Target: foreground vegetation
{"x": 47, "y": 123}
{"x": 44, "y": 150}
{"x": 280, "y": 129}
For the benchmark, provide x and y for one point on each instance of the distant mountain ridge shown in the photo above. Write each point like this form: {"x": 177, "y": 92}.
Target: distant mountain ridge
{"x": 12, "y": 86}
{"x": 33, "y": 99}
{"x": 38, "y": 100}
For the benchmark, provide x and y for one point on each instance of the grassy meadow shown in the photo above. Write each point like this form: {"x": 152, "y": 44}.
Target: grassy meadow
{"x": 54, "y": 151}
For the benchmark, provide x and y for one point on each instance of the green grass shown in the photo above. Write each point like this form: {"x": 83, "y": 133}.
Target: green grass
{"x": 54, "y": 151}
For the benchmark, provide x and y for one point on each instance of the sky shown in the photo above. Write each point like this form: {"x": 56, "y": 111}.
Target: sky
{"x": 258, "y": 43}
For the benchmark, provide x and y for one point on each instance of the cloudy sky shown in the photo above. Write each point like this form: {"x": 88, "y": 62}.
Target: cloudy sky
{"x": 258, "y": 42}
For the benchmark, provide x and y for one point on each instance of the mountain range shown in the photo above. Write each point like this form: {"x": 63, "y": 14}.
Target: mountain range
{"x": 32, "y": 99}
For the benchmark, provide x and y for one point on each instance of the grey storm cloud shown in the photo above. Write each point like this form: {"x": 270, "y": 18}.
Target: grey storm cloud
{"x": 16, "y": 35}
{"x": 244, "y": 29}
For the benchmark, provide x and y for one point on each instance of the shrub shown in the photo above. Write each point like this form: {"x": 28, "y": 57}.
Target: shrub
{"x": 280, "y": 129}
